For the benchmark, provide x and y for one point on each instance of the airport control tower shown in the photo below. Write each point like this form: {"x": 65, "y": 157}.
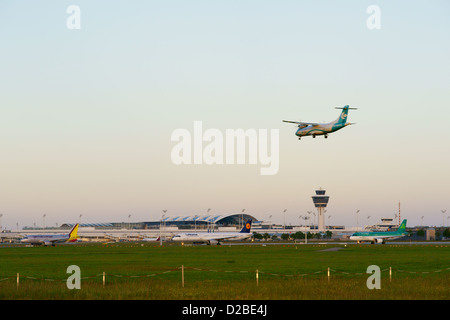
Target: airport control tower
{"x": 320, "y": 201}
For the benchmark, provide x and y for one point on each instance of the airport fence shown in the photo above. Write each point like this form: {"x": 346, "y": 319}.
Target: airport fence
{"x": 257, "y": 273}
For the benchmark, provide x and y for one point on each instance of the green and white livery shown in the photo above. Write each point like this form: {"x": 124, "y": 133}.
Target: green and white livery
{"x": 380, "y": 237}
{"x": 322, "y": 129}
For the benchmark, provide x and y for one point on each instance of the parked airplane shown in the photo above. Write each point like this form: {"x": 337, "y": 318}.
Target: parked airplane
{"x": 215, "y": 237}
{"x": 380, "y": 237}
{"x": 317, "y": 129}
{"x": 151, "y": 239}
{"x": 51, "y": 239}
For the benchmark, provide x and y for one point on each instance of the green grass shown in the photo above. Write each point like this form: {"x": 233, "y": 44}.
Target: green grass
{"x": 135, "y": 271}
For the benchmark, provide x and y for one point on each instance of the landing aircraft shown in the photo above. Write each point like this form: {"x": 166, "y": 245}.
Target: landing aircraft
{"x": 380, "y": 237}
{"x": 214, "y": 238}
{"x": 51, "y": 239}
{"x": 322, "y": 129}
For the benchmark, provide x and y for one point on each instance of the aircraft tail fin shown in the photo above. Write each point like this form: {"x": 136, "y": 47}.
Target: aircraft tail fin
{"x": 247, "y": 226}
{"x": 402, "y": 226}
{"x": 73, "y": 233}
{"x": 343, "y": 117}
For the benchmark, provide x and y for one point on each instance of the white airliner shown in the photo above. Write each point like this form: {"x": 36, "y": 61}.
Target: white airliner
{"x": 151, "y": 239}
{"x": 214, "y": 238}
{"x": 322, "y": 129}
{"x": 51, "y": 239}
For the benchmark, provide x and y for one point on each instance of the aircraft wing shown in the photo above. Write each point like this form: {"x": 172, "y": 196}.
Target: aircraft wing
{"x": 222, "y": 237}
{"x": 380, "y": 239}
{"x": 302, "y": 124}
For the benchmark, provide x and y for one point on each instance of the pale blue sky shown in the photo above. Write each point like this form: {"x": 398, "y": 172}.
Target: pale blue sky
{"x": 86, "y": 115}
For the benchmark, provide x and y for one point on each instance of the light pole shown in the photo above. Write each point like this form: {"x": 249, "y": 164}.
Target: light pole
{"x": 209, "y": 220}
{"x": 309, "y": 218}
{"x": 357, "y": 211}
{"x": 314, "y": 222}
{"x": 306, "y": 233}
{"x": 422, "y": 220}
{"x": 195, "y": 222}
{"x": 129, "y": 225}
{"x": 160, "y": 226}
{"x": 1, "y": 215}
{"x": 284, "y": 220}
{"x": 43, "y": 221}
{"x": 309, "y": 212}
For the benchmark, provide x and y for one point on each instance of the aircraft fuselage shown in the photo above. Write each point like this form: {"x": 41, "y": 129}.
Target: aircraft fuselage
{"x": 318, "y": 130}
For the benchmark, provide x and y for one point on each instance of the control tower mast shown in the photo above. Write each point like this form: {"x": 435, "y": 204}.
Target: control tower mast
{"x": 320, "y": 202}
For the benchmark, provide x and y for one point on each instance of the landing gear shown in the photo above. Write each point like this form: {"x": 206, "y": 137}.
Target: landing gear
{"x": 299, "y": 138}
{"x": 314, "y": 135}
{"x": 326, "y": 136}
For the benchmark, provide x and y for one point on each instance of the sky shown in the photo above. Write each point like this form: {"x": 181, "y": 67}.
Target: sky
{"x": 87, "y": 114}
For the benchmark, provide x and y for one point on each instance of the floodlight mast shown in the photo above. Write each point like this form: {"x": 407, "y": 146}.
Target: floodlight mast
{"x": 160, "y": 226}
{"x": 357, "y": 211}
{"x": 443, "y": 216}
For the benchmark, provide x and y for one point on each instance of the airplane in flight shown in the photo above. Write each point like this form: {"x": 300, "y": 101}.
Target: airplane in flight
{"x": 51, "y": 239}
{"x": 322, "y": 129}
{"x": 380, "y": 237}
{"x": 215, "y": 238}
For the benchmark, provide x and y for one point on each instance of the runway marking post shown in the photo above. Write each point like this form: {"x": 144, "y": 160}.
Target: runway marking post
{"x": 257, "y": 277}
{"x": 182, "y": 276}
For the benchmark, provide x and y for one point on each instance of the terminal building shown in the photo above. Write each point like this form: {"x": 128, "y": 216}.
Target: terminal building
{"x": 196, "y": 222}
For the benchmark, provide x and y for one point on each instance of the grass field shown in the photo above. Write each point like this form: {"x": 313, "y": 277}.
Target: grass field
{"x": 147, "y": 271}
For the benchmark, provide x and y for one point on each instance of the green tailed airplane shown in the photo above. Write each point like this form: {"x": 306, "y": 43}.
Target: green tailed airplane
{"x": 380, "y": 237}
{"x": 322, "y": 129}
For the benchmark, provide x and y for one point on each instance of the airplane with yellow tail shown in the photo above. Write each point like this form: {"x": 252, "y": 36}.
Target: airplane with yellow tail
{"x": 51, "y": 239}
